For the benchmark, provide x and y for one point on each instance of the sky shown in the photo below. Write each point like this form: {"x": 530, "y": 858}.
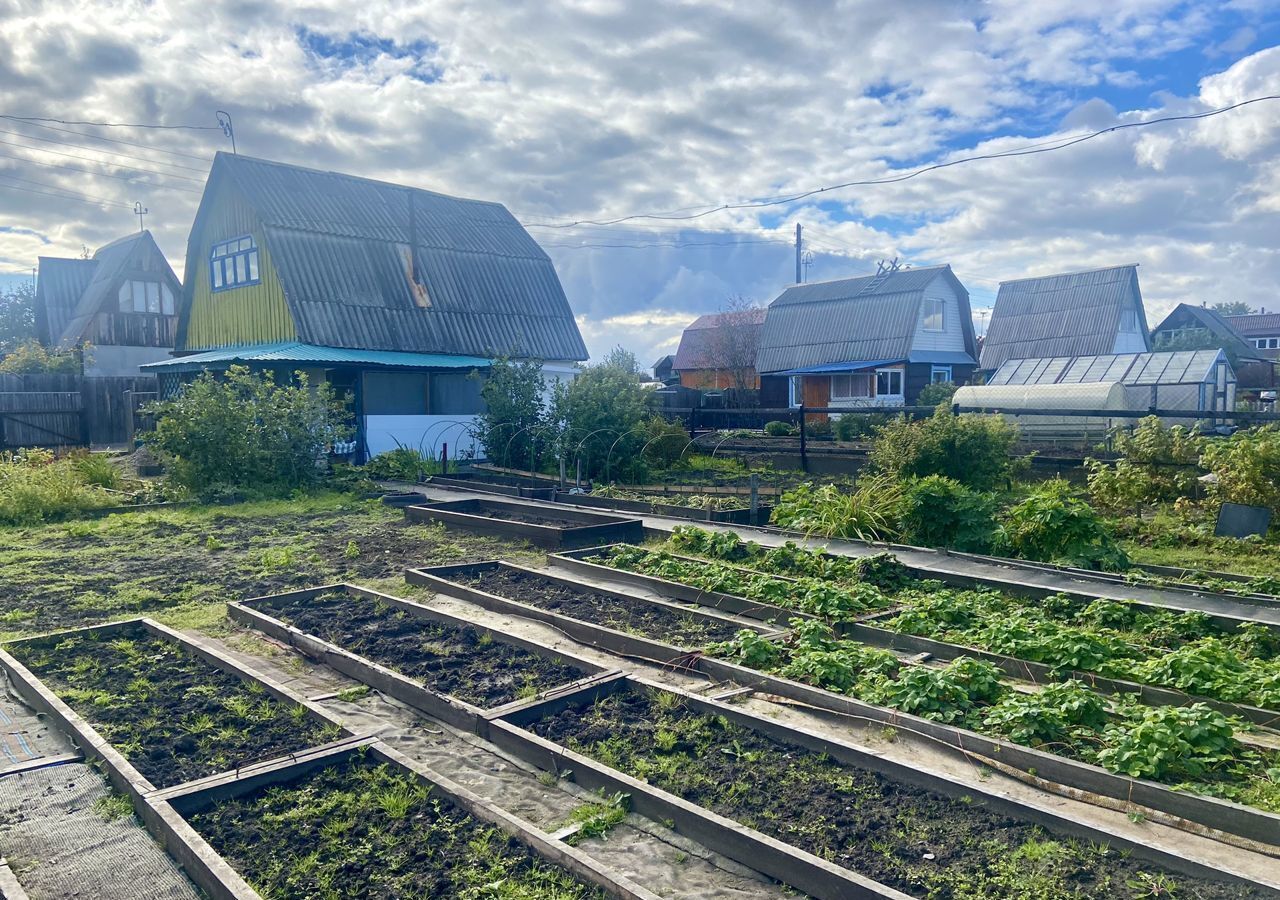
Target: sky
{"x": 570, "y": 110}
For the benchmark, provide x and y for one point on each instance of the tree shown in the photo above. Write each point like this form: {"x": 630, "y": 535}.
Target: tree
{"x": 622, "y": 360}
{"x": 17, "y": 316}
{"x": 1234, "y": 308}
{"x": 30, "y": 358}
{"x": 601, "y": 414}
{"x": 1197, "y": 339}
{"x": 515, "y": 411}
{"x": 732, "y": 344}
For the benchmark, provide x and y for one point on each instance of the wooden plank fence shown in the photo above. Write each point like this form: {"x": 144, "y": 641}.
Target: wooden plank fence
{"x": 69, "y": 410}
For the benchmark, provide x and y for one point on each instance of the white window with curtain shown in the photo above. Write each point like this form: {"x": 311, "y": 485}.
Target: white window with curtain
{"x": 850, "y": 386}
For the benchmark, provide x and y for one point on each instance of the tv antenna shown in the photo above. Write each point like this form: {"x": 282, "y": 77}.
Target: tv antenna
{"x": 139, "y": 210}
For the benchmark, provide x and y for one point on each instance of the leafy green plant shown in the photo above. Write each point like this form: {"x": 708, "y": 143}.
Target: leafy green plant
{"x": 939, "y": 393}
{"x": 971, "y": 449}
{"x": 601, "y": 418}
{"x": 598, "y": 818}
{"x": 1164, "y": 742}
{"x": 514, "y": 411}
{"x": 32, "y": 358}
{"x": 778, "y": 428}
{"x": 1066, "y": 711}
{"x": 949, "y": 694}
{"x": 869, "y": 512}
{"x": 941, "y": 512}
{"x": 36, "y": 486}
{"x": 1246, "y": 466}
{"x": 1052, "y": 524}
{"x": 855, "y": 426}
{"x": 1156, "y": 465}
{"x": 401, "y": 464}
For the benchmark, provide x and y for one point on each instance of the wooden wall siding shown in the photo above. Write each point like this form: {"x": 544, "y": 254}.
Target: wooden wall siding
{"x": 817, "y": 390}
{"x": 134, "y": 330}
{"x": 68, "y": 410}
{"x": 254, "y": 314}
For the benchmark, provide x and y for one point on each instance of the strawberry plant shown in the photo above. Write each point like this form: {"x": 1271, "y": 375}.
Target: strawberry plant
{"x": 1170, "y": 742}
{"x": 1066, "y": 712}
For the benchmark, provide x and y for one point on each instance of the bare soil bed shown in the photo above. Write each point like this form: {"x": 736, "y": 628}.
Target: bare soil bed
{"x": 906, "y": 837}
{"x": 355, "y": 829}
{"x": 529, "y": 518}
{"x": 465, "y": 663}
{"x": 629, "y": 615}
{"x": 174, "y": 716}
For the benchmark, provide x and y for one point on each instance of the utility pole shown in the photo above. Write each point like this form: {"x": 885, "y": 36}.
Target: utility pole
{"x": 799, "y": 245}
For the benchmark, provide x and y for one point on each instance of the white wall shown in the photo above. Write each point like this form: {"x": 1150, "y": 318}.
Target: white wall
{"x": 424, "y": 433}
{"x": 1130, "y": 342}
{"x": 952, "y": 335}
{"x": 121, "y": 360}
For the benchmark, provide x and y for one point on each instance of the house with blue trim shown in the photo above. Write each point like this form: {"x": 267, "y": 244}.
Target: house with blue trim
{"x": 872, "y": 342}
{"x": 399, "y": 297}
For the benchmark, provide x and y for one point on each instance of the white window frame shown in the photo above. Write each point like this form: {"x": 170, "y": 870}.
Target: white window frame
{"x": 834, "y": 396}
{"x": 1129, "y": 321}
{"x": 944, "y": 371}
{"x": 234, "y": 263}
{"x": 935, "y": 307}
{"x": 795, "y": 390}
{"x": 891, "y": 373}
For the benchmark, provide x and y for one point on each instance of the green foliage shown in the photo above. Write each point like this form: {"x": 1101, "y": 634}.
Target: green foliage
{"x": 1155, "y": 465}
{"x": 602, "y": 415}
{"x": 778, "y": 428}
{"x": 1064, "y": 712}
{"x": 854, "y": 426}
{"x": 1233, "y": 308}
{"x": 664, "y": 442}
{"x": 1168, "y": 742}
{"x": 941, "y": 512}
{"x": 514, "y": 411}
{"x": 598, "y": 818}
{"x": 36, "y": 486}
{"x": 750, "y": 649}
{"x": 869, "y": 512}
{"x": 243, "y": 432}
{"x": 1247, "y": 466}
{"x": 1209, "y": 668}
{"x": 949, "y": 694}
{"x": 401, "y": 464}
{"x": 938, "y": 393}
{"x": 17, "y": 316}
{"x": 31, "y": 358}
{"x": 971, "y": 449}
{"x": 1053, "y": 525}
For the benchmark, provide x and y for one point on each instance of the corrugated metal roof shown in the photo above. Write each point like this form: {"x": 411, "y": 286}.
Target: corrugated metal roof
{"x": 1180, "y": 367}
{"x": 298, "y": 352}
{"x": 1255, "y": 324}
{"x": 817, "y": 324}
{"x": 857, "y": 365}
{"x": 340, "y": 243}
{"x": 697, "y": 342}
{"x": 112, "y": 260}
{"x": 1072, "y": 314}
{"x": 59, "y": 286}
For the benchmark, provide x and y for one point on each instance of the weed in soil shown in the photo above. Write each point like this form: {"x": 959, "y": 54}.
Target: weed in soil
{"x": 465, "y": 662}
{"x": 361, "y": 830}
{"x": 631, "y": 616}
{"x": 906, "y": 837}
{"x": 174, "y": 716}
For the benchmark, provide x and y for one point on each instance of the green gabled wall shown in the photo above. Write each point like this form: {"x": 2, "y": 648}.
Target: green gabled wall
{"x": 253, "y": 314}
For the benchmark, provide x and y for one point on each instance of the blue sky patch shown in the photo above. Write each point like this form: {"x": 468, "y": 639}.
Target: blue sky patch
{"x": 346, "y": 51}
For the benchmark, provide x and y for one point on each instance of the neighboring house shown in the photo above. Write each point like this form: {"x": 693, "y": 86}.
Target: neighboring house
{"x": 867, "y": 342}
{"x": 1260, "y": 330}
{"x": 398, "y": 297}
{"x": 1190, "y": 327}
{"x": 121, "y": 302}
{"x": 718, "y": 351}
{"x": 1089, "y": 313}
{"x": 663, "y": 369}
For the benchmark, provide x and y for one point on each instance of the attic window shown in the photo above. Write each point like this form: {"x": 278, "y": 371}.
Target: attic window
{"x": 1129, "y": 321}
{"x": 234, "y": 264}
{"x": 934, "y": 313}
{"x": 146, "y": 297}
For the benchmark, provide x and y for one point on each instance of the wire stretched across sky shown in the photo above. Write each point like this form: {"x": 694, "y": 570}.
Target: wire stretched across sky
{"x": 116, "y": 124}
{"x": 683, "y": 214}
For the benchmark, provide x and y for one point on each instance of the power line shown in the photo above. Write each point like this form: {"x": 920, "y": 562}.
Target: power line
{"x": 118, "y": 124}
{"x": 895, "y": 179}
{"x": 32, "y": 137}
{"x": 65, "y": 195}
{"x": 49, "y": 165}
{"x": 108, "y": 140}
{"x": 681, "y": 244}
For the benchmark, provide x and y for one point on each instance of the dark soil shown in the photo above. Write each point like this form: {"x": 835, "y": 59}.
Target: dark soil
{"x": 462, "y": 662}
{"x": 358, "y": 830}
{"x": 174, "y": 716}
{"x": 634, "y": 616}
{"x": 528, "y": 518}
{"x": 906, "y": 837}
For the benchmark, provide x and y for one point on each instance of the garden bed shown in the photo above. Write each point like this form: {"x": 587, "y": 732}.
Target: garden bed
{"x": 174, "y": 715}
{"x": 904, "y": 829}
{"x": 449, "y": 657}
{"x": 733, "y": 509}
{"x": 492, "y": 483}
{"x": 553, "y": 527}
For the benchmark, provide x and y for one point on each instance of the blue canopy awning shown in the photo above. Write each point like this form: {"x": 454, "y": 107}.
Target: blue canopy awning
{"x": 836, "y": 368}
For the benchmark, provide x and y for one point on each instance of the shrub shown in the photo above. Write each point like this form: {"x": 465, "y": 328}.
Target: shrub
{"x": 937, "y": 394}
{"x": 853, "y": 426}
{"x": 601, "y": 415}
{"x": 1053, "y": 525}
{"x": 868, "y": 513}
{"x": 1246, "y": 466}
{"x": 1156, "y": 465}
{"x": 972, "y": 449}
{"x": 32, "y": 358}
{"x": 35, "y": 486}
{"x": 514, "y": 411}
{"x": 941, "y": 512}
{"x": 780, "y": 429}
{"x": 401, "y": 464}
{"x": 819, "y": 428}
{"x": 244, "y": 433}
{"x": 664, "y": 442}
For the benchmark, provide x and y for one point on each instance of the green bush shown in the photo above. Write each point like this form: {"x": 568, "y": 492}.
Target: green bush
{"x": 938, "y": 393}
{"x": 778, "y": 428}
{"x": 941, "y": 512}
{"x": 244, "y": 434}
{"x": 854, "y": 426}
{"x": 401, "y": 464}
{"x": 514, "y": 411}
{"x": 971, "y": 449}
{"x": 819, "y": 428}
{"x": 35, "y": 486}
{"x": 1167, "y": 742}
{"x": 1247, "y": 466}
{"x": 1155, "y": 465}
{"x": 868, "y": 513}
{"x": 1053, "y": 525}
{"x": 31, "y": 358}
{"x": 601, "y": 417}
{"x": 665, "y": 442}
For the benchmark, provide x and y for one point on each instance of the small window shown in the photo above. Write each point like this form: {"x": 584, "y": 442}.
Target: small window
{"x": 233, "y": 264}
{"x": 934, "y": 315}
{"x": 1129, "y": 321}
{"x": 126, "y": 298}
{"x": 888, "y": 382}
{"x": 139, "y": 296}
{"x": 166, "y": 300}
{"x": 153, "y": 297}
{"x": 1273, "y": 344}
{"x": 940, "y": 374}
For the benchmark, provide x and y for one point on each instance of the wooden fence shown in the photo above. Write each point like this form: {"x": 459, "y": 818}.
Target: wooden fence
{"x": 68, "y": 410}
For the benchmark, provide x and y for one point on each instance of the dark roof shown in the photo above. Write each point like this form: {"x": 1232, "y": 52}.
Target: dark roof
{"x": 697, "y": 341}
{"x": 1184, "y": 315}
{"x": 852, "y": 319}
{"x": 1255, "y": 324}
{"x": 340, "y": 247}
{"x": 1072, "y": 314}
{"x": 59, "y": 287}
